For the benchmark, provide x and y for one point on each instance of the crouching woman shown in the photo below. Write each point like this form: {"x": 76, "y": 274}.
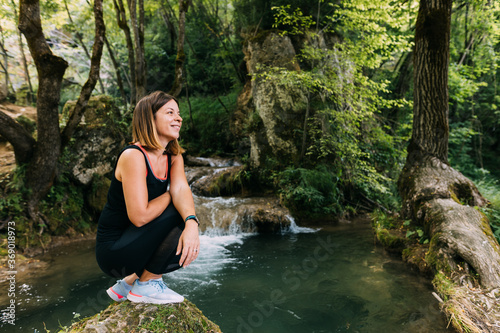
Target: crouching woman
{"x": 148, "y": 226}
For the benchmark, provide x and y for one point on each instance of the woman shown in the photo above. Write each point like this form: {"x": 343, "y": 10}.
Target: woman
{"x": 147, "y": 229}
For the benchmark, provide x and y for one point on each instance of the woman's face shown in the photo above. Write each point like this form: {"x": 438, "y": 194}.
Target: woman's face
{"x": 168, "y": 121}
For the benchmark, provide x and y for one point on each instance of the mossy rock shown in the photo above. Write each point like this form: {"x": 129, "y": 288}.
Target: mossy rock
{"x": 139, "y": 317}
{"x": 98, "y": 194}
{"x": 393, "y": 240}
{"x": 97, "y": 140}
{"x": 226, "y": 182}
{"x": 99, "y": 108}
{"x": 272, "y": 220}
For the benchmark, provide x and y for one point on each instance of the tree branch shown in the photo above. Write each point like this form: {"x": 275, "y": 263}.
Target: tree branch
{"x": 181, "y": 56}
{"x": 89, "y": 86}
{"x": 20, "y": 139}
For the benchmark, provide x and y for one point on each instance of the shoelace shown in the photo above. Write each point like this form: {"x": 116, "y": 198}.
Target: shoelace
{"x": 160, "y": 286}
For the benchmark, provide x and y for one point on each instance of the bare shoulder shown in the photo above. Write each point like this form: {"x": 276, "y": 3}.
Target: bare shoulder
{"x": 131, "y": 155}
{"x": 177, "y": 159}
{"x": 131, "y": 161}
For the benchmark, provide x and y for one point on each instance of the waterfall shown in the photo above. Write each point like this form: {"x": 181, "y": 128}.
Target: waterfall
{"x": 225, "y": 222}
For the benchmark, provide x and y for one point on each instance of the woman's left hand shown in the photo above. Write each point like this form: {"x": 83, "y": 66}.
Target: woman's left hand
{"x": 189, "y": 243}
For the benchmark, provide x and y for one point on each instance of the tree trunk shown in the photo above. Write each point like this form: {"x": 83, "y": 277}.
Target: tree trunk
{"x": 170, "y": 26}
{"x": 20, "y": 139}
{"x": 116, "y": 66}
{"x": 121, "y": 18}
{"x": 88, "y": 87}
{"x": 21, "y": 49}
{"x": 5, "y": 66}
{"x": 181, "y": 56}
{"x": 140, "y": 61}
{"x": 435, "y": 195}
{"x": 78, "y": 36}
{"x": 51, "y": 70}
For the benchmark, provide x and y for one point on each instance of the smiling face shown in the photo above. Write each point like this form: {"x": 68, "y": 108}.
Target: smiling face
{"x": 168, "y": 121}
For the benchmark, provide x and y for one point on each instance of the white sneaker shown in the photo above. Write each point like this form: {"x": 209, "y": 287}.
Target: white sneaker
{"x": 153, "y": 291}
{"x": 119, "y": 291}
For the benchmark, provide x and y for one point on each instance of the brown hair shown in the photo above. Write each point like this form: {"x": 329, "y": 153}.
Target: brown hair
{"x": 143, "y": 124}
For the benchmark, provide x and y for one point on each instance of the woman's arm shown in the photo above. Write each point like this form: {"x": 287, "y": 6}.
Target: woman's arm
{"x": 182, "y": 197}
{"x": 131, "y": 171}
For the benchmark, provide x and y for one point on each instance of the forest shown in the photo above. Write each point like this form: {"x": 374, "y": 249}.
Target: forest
{"x": 337, "y": 108}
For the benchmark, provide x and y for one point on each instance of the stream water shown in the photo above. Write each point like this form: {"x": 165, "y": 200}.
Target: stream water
{"x": 326, "y": 279}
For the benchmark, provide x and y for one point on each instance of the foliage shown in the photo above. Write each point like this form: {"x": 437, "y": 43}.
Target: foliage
{"x": 208, "y": 132}
{"x": 13, "y": 192}
{"x": 214, "y": 56}
{"x": 251, "y": 15}
{"x": 307, "y": 191}
{"x": 474, "y": 67}
{"x": 344, "y": 99}
{"x": 63, "y": 211}
{"x": 490, "y": 189}
{"x": 352, "y": 54}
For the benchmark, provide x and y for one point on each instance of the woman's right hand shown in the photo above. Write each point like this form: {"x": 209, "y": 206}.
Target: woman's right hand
{"x": 189, "y": 243}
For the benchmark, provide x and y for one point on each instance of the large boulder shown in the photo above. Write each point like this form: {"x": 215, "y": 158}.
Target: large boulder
{"x": 224, "y": 182}
{"x": 270, "y": 112}
{"x": 141, "y": 317}
{"x": 97, "y": 140}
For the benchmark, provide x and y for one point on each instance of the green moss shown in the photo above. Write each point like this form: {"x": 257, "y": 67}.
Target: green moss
{"x": 435, "y": 259}
{"x": 455, "y": 198}
{"x": 230, "y": 182}
{"x": 486, "y": 228}
{"x": 62, "y": 211}
{"x": 389, "y": 230}
{"x": 28, "y": 124}
{"x": 389, "y": 240}
{"x": 97, "y": 195}
{"x": 444, "y": 286}
{"x": 261, "y": 36}
{"x": 461, "y": 193}
{"x": 172, "y": 318}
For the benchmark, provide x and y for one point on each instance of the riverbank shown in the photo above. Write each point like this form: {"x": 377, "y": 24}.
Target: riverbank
{"x": 29, "y": 262}
{"x": 468, "y": 306}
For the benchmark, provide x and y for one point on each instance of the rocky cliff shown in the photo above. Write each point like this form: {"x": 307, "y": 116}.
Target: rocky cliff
{"x": 270, "y": 112}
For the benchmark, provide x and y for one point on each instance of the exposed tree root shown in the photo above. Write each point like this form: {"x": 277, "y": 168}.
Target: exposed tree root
{"x": 463, "y": 249}
{"x": 445, "y": 203}
{"x": 469, "y": 309}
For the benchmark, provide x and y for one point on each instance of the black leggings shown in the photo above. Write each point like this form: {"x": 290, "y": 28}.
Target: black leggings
{"x": 151, "y": 247}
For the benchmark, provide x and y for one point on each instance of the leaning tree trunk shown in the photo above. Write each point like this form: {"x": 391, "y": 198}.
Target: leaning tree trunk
{"x": 51, "y": 68}
{"x": 116, "y": 66}
{"x": 78, "y": 36}
{"x": 121, "y": 19}
{"x": 88, "y": 87}
{"x": 23, "y": 56}
{"x": 435, "y": 195}
{"x": 181, "y": 56}
{"x": 140, "y": 61}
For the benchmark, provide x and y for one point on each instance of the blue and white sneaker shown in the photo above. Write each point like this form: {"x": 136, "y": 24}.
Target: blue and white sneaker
{"x": 119, "y": 291}
{"x": 153, "y": 291}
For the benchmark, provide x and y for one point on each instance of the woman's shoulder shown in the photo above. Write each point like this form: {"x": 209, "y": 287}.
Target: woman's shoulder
{"x": 131, "y": 153}
{"x": 177, "y": 159}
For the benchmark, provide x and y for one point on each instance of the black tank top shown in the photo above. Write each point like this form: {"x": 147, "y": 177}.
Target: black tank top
{"x": 114, "y": 219}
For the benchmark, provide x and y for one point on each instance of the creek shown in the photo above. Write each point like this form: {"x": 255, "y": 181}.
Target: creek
{"x": 330, "y": 278}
